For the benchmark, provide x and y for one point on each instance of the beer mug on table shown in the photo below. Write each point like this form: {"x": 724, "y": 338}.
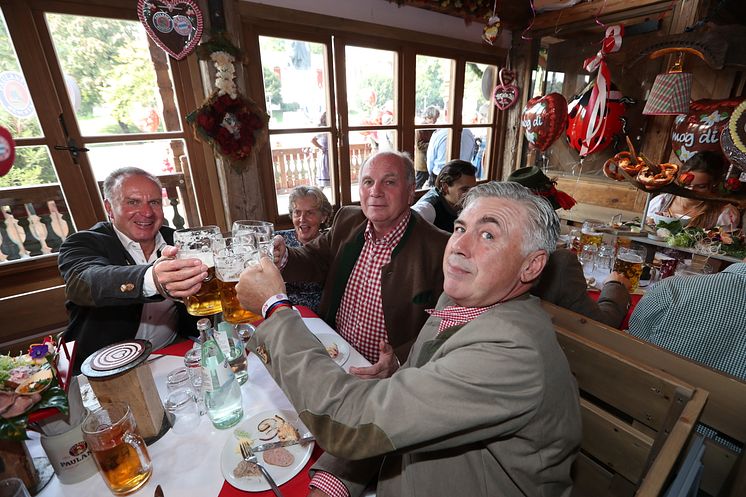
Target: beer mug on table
{"x": 629, "y": 262}
{"x": 263, "y": 232}
{"x": 196, "y": 243}
{"x": 590, "y": 234}
{"x": 232, "y": 255}
{"x": 119, "y": 452}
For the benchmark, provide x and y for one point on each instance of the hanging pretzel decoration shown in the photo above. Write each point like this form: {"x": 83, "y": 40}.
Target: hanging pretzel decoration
{"x": 601, "y": 88}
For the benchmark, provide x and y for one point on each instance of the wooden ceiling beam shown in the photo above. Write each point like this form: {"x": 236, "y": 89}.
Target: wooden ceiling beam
{"x": 586, "y": 12}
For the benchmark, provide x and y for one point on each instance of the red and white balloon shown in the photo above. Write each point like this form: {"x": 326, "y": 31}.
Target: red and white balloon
{"x": 701, "y": 128}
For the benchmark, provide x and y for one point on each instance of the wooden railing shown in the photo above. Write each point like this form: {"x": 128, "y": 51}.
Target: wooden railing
{"x": 300, "y": 166}
{"x": 35, "y": 220}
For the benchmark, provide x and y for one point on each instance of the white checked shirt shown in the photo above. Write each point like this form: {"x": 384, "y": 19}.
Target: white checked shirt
{"x": 360, "y": 318}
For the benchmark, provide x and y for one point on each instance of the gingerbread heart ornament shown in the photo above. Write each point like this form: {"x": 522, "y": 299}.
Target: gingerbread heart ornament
{"x": 174, "y": 25}
{"x": 506, "y": 94}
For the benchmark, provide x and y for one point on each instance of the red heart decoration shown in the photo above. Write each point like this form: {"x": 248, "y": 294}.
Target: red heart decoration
{"x": 174, "y": 25}
{"x": 7, "y": 151}
{"x": 505, "y": 95}
{"x": 544, "y": 119}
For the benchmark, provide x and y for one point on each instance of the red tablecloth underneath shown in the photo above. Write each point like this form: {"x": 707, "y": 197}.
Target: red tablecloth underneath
{"x": 298, "y": 486}
{"x": 634, "y": 299}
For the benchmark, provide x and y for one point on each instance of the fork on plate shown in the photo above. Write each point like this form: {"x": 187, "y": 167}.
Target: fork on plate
{"x": 249, "y": 456}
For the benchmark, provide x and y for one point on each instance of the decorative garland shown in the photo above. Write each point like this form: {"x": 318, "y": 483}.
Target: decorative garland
{"x": 233, "y": 124}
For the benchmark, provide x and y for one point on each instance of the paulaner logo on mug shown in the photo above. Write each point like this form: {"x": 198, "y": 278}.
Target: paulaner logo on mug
{"x": 69, "y": 455}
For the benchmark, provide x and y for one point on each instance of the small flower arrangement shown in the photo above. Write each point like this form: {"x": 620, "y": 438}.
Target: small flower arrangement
{"x": 234, "y": 125}
{"x": 28, "y": 386}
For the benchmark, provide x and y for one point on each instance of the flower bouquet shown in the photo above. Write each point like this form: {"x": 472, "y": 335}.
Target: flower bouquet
{"x": 29, "y": 386}
{"x": 234, "y": 125}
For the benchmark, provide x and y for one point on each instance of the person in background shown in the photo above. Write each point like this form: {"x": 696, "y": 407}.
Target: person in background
{"x": 321, "y": 141}
{"x": 115, "y": 282}
{"x": 379, "y": 264}
{"x": 438, "y": 148}
{"x": 702, "y": 174}
{"x": 563, "y": 283}
{"x": 484, "y": 406}
{"x": 422, "y": 140}
{"x": 440, "y": 205}
{"x": 310, "y": 211}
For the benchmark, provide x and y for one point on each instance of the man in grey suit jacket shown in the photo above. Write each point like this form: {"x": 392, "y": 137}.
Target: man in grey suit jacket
{"x": 115, "y": 283}
{"x": 485, "y": 404}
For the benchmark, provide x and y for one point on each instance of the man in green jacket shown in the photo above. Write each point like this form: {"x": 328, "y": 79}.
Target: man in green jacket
{"x": 485, "y": 404}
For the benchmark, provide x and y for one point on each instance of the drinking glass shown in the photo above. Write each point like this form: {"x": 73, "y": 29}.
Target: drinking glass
{"x": 629, "y": 261}
{"x": 587, "y": 257}
{"x": 177, "y": 379}
{"x": 196, "y": 243}
{"x": 13, "y": 487}
{"x": 232, "y": 255}
{"x": 183, "y": 410}
{"x": 604, "y": 258}
{"x": 193, "y": 366}
{"x": 263, "y": 232}
{"x": 119, "y": 452}
{"x": 590, "y": 235}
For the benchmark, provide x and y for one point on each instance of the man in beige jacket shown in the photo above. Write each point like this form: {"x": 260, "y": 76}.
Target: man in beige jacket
{"x": 485, "y": 404}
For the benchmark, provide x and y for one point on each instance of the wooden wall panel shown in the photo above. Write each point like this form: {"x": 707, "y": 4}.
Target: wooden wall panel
{"x": 33, "y": 315}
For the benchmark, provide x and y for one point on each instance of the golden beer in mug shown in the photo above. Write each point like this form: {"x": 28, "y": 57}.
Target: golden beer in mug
{"x": 629, "y": 262}
{"x": 232, "y": 311}
{"x": 206, "y": 301}
{"x": 196, "y": 243}
{"x": 589, "y": 234}
{"x": 119, "y": 452}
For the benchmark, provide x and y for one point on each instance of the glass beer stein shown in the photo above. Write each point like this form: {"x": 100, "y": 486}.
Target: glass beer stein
{"x": 263, "y": 232}
{"x": 231, "y": 255}
{"x": 590, "y": 235}
{"x": 629, "y": 262}
{"x": 196, "y": 243}
{"x": 119, "y": 452}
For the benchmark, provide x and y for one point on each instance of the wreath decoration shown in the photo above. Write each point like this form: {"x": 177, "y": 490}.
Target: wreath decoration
{"x": 231, "y": 123}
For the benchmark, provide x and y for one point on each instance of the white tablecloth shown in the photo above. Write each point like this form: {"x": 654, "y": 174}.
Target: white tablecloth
{"x": 189, "y": 465}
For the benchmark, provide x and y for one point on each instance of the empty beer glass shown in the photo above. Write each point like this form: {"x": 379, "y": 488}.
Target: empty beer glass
{"x": 231, "y": 255}
{"x": 196, "y": 243}
{"x": 263, "y": 232}
{"x": 629, "y": 262}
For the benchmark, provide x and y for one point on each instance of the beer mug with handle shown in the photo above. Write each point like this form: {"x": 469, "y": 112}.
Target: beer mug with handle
{"x": 196, "y": 243}
{"x": 119, "y": 452}
{"x": 231, "y": 255}
{"x": 263, "y": 232}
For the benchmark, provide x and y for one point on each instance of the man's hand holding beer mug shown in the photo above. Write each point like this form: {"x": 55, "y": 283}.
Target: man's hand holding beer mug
{"x": 178, "y": 278}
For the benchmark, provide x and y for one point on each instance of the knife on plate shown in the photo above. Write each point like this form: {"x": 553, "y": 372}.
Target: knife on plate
{"x": 273, "y": 445}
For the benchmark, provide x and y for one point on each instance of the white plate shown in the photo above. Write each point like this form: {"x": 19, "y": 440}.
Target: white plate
{"x": 231, "y": 454}
{"x": 344, "y": 350}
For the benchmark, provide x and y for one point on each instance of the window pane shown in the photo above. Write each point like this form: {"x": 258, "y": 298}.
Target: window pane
{"x": 295, "y": 82}
{"x": 116, "y": 84}
{"x": 481, "y": 151}
{"x": 362, "y": 146}
{"x": 162, "y": 158}
{"x": 300, "y": 159}
{"x": 370, "y": 78}
{"x": 35, "y": 218}
{"x": 477, "y": 105}
{"x": 17, "y": 112}
{"x": 434, "y": 87}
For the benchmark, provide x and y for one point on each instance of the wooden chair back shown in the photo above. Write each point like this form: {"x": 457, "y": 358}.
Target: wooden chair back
{"x": 725, "y": 410}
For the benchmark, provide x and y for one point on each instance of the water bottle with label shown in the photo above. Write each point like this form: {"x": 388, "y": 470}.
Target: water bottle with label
{"x": 233, "y": 348}
{"x": 219, "y": 386}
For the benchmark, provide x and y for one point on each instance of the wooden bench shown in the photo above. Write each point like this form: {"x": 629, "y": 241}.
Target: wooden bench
{"x": 725, "y": 410}
{"x": 637, "y": 420}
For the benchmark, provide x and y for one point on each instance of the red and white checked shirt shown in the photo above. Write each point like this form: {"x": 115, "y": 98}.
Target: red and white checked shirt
{"x": 360, "y": 317}
{"x": 454, "y": 315}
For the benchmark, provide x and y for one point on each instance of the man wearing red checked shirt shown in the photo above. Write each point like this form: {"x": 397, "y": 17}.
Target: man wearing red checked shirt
{"x": 379, "y": 263}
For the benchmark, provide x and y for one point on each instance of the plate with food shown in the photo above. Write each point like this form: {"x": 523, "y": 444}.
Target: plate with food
{"x": 335, "y": 347}
{"x": 282, "y": 463}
